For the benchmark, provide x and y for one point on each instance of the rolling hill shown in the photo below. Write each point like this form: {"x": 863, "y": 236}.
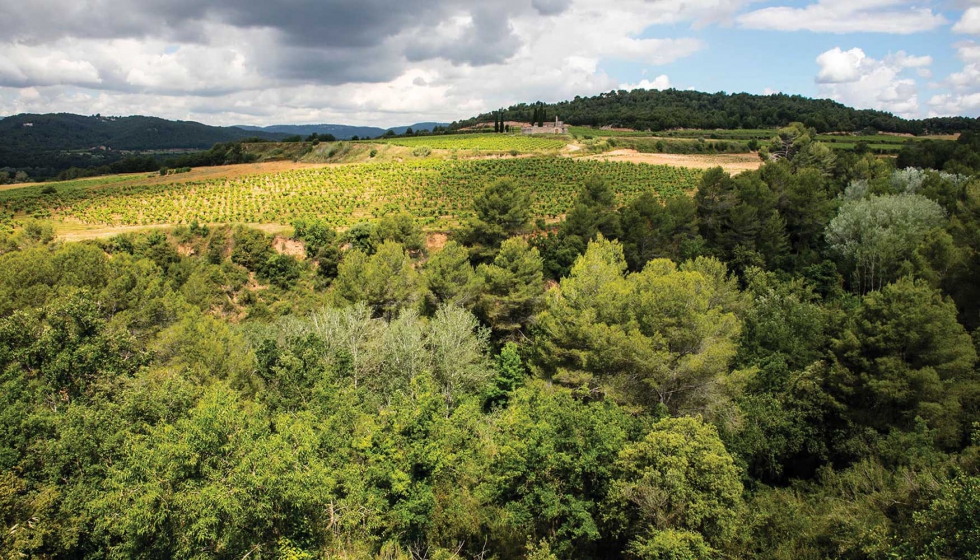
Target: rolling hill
{"x": 62, "y": 131}
{"x": 669, "y": 109}
{"x": 43, "y": 145}
{"x": 340, "y": 131}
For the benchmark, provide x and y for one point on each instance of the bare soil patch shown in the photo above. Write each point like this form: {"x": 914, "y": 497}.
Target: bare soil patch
{"x": 291, "y": 247}
{"x": 732, "y": 163}
{"x": 74, "y": 231}
{"x": 435, "y": 241}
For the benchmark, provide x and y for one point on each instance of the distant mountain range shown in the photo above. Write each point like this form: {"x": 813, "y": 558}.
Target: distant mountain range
{"x": 43, "y": 145}
{"x": 339, "y": 131}
{"x": 63, "y": 131}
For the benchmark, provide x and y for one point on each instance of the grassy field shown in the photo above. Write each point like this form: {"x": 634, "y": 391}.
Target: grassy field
{"x": 485, "y": 142}
{"x": 436, "y": 192}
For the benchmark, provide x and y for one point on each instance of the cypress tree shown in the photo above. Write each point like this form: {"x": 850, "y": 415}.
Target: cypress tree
{"x": 496, "y": 125}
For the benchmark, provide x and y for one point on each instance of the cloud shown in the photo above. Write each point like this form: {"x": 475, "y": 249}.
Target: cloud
{"x": 967, "y": 79}
{"x": 837, "y": 66}
{"x": 954, "y": 105}
{"x": 22, "y": 66}
{"x": 963, "y": 87}
{"x": 846, "y": 16}
{"x": 969, "y": 22}
{"x": 550, "y": 7}
{"x": 661, "y": 82}
{"x": 367, "y": 62}
{"x": 853, "y": 78}
{"x": 968, "y": 51}
{"x": 383, "y": 63}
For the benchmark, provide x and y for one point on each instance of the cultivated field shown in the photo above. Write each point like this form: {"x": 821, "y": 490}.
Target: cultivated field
{"x": 881, "y": 143}
{"x": 437, "y": 192}
{"x": 486, "y": 142}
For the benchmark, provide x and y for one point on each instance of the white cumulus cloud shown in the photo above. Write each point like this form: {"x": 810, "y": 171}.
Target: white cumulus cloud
{"x": 846, "y": 16}
{"x": 969, "y": 22}
{"x": 853, "y": 78}
{"x": 954, "y": 105}
{"x": 661, "y": 82}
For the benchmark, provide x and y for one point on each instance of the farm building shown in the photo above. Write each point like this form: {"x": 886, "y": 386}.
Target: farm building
{"x": 557, "y": 127}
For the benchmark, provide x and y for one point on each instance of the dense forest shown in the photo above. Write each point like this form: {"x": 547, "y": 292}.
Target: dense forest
{"x": 44, "y": 145}
{"x": 783, "y": 365}
{"x": 663, "y": 110}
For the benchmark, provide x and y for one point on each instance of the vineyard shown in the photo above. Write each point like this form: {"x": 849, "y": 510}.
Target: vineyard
{"x": 484, "y": 142}
{"x": 436, "y": 192}
{"x": 879, "y": 143}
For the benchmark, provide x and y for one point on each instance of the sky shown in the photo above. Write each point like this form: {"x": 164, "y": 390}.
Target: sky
{"x": 395, "y": 62}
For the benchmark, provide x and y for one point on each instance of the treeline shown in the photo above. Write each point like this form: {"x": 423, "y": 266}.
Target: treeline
{"x": 962, "y": 155}
{"x": 663, "y": 110}
{"x": 230, "y": 153}
{"x": 782, "y": 366}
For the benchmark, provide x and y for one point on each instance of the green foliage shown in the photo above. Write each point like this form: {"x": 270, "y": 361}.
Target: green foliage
{"x": 904, "y": 355}
{"x": 510, "y": 374}
{"x": 502, "y": 211}
{"x": 678, "y": 109}
{"x": 252, "y": 249}
{"x": 450, "y": 278}
{"x": 679, "y": 481}
{"x": 400, "y": 228}
{"x": 673, "y": 545}
{"x": 159, "y": 399}
{"x": 956, "y": 156}
{"x": 513, "y": 287}
{"x": 361, "y": 237}
{"x": 317, "y": 235}
{"x": 661, "y": 337}
{"x": 948, "y": 529}
{"x": 552, "y": 468}
{"x": 281, "y": 270}
{"x": 387, "y": 280}
{"x": 659, "y": 230}
{"x": 872, "y": 236}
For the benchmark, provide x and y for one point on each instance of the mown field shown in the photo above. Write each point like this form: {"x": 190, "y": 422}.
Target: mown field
{"x": 486, "y": 142}
{"x": 437, "y": 193}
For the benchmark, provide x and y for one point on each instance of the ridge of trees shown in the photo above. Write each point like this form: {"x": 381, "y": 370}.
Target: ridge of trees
{"x": 668, "y": 109}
